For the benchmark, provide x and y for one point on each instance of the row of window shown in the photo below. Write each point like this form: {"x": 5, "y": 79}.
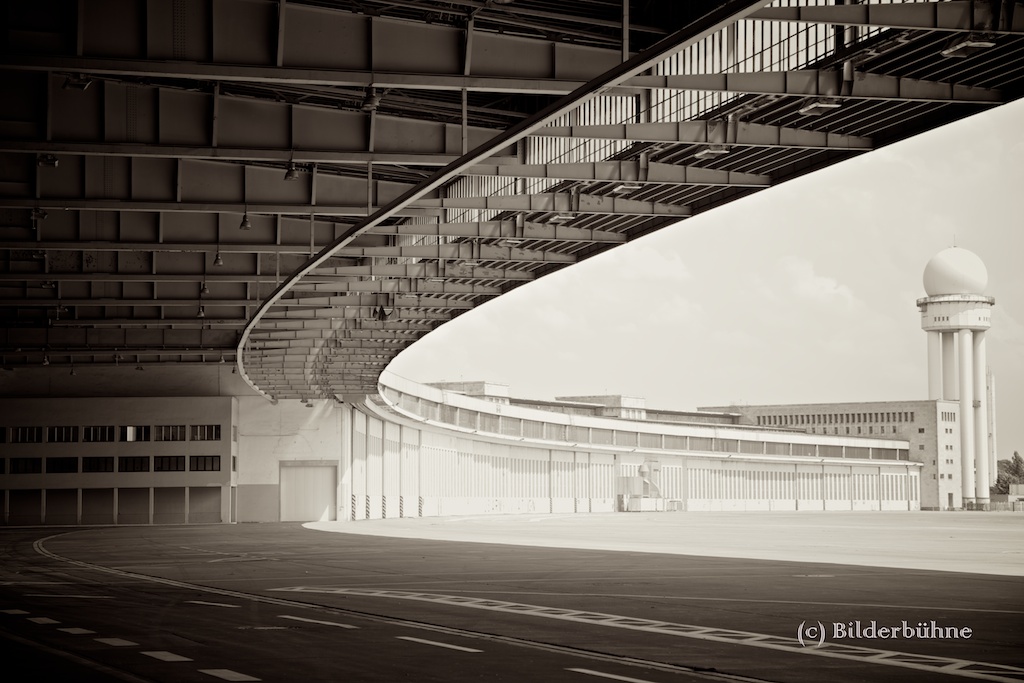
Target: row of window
{"x": 107, "y": 433}
{"x": 948, "y": 415}
{"x": 131, "y": 463}
{"x": 834, "y": 418}
{"x": 533, "y": 429}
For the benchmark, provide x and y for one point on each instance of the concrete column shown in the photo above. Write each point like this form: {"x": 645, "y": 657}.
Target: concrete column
{"x": 934, "y": 365}
{"x": 949, "y": 386}
{"x": 981, "y": 455}
{"x": 967, "y": 415}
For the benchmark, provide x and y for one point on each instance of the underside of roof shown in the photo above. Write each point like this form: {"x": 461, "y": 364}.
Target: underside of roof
{"x": 305, "y": 188}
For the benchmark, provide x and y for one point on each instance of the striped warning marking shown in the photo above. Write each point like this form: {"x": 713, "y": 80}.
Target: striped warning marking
{"x": 116, "y": 642}
{"x": 614, "y": 677}
{"x": 941, "y": 665}
{"x": 315, "y": 621}
{"x": 227, "y": 675}
{"x": 438, "y": 644}
{"x": 165, "y": 656}
{"x": 43, "y": 620}
{"x": 211, "y": 604}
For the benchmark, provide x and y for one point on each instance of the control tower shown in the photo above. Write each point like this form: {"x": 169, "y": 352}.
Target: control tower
{"x": 956, "y": 314}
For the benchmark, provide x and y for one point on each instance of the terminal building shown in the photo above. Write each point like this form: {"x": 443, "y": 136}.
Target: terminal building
{"x": 460, "y": 448}
{"x": 222, "y": 220}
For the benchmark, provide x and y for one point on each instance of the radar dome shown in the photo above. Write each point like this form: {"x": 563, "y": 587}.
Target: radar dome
{"x": 955, "y": 271}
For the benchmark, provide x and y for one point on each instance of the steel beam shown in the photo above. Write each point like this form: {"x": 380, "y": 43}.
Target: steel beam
{"x": 650, "y": 173}
{"x": 926, "y": 16}
{"x": 559, "y": 202}
{"x": 741, "y": 134}
{"x": 813, "y": 83}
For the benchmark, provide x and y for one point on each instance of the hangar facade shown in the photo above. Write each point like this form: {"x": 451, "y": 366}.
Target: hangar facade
{"x": 263, "y": 202}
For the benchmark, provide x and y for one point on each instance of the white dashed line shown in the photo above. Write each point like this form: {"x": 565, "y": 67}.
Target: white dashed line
{"x": 13, "y": 611}
{"x": 78, "y": 597}
{"x": 437, "y": 644}
{"x": 165, "y": 656}
{"x": 115, "y": 642}
{"x": 75, "y": 631}
{"x": 227, "y": 675}
{"x": 315, "y": 621}
{"x": 614, "y": 677}
{"x": 43, "y": 620}
{"x": 211, "y": 604}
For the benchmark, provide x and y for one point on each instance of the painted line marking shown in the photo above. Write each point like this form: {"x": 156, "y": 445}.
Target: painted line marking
{"x": 165, "y": 656}
{"x": 315, "y": 621}
{"x": 43, "y": 620}
{"x": 211, "y": 604}
{"x": 227, "y": 675}
{"x": 34, "y": 583}
{"x": 115, "y": 642}
{"x": 969, "y": 669}
{"x": 13, "y": 611}
{"x": 82, "y": 597}
{"x": 437, "y": 644}
{"x": 614, "y": 677}
{"x": 75, "y": 631}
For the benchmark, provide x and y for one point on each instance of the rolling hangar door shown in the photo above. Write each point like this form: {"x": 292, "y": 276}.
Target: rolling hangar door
{"x": 309, "y": 492}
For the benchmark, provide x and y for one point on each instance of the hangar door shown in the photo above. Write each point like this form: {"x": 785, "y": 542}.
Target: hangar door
{"x": 309, "y": 493}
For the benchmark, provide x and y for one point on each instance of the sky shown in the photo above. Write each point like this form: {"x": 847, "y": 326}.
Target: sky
{"x": 802, "y": 293}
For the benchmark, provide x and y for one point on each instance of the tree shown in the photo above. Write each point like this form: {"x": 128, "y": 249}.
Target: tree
{"x": 1009, "y": 472}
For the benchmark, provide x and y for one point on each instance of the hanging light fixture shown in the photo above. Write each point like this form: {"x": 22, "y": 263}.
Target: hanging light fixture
{"x": 202, "y": 312}
{"x": 292, "y": 173}
{"x": 205, "y": 290}
{"x": 217, "y": 260}
{"x": 245, "y": 224}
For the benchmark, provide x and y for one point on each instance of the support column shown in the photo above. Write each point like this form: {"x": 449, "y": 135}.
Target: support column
{"x": 981, "y": 455}
{"x": 967, "y": 416}
{"x": 934, "y": 365}
{"x": 949, "y": 387}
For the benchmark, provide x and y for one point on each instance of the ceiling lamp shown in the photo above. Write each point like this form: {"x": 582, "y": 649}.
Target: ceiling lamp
{"x": 201, "y": 313}
{"x": 76, "y": 82}
{"x": 819, "y": 107}
{"x": 712, "y": 152}
{"x": 217, "y": 260}
{"x": 627, "y": 187}
{"x": 205, "y": 289}
{"x": 292, "y": 173}
{"x": 371, "y": 101}
{"x": 967, "y": 46}
{"x": 47, "y": 160}
{"x": 245, "y": 224}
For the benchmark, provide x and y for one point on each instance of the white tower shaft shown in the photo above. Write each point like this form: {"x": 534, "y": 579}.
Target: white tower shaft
{"x": 957, "y": 371}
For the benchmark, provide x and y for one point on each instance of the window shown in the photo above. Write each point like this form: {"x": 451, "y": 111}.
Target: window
{"x": 26, "y": 434}
{"x": 26, "y": 465}
{"x": 101, "y": 433}
{"x": 133, "y": 463}
{"x": 61, "y": 465}
{"x": 204, "y": 463}
{"x": 169, "y": 433}
{"x": 135, "y": 434}
{"x": 98, "y": 464}
{"x": 920, "y": 430}
{"x": 3, "y": 434}
{"x": 3, "y": 466}
{"x": 62, "y": 434}
{"x": 205, "y": 433}
{"x": 921, "y": 447}
{"x": 234, "y": 463}
{"x": 169, "y": 463}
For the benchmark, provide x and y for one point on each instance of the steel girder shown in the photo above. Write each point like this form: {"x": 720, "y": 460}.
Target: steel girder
{"x": 394, "y": 173}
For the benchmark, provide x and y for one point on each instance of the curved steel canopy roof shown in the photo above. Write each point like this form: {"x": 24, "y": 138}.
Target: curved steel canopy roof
{"x": 310, "y": 186}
